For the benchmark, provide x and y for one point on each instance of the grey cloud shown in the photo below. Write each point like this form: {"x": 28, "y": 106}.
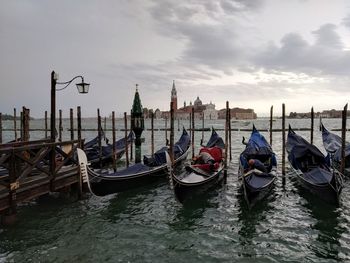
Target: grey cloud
{"x": 326, "y": 56}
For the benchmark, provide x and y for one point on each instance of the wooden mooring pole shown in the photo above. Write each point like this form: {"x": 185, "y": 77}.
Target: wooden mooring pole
{"x": 15, "y": 123}
{"x": 0, "y": 128}
{"x": 226, "y": 136}
{"x": 312, "y": 126}
{"x": 60, "y": 128}
{"x": 21, "y": 125}
{"x": 26, "y": 118}
{"x": 193, "y": 133}
{"x": 99, "y": 134}
{"x": 113, "y": 145}
{"x": 229, "y": 133}
{"x": 271, "y": 121}
{"x": 152, "y": 133}
{"x": 283, "y": 141}
{"x": 343, "y": 137}
{"x": 171, "y": 148}
{"x": 202, "y": 139}
{"x": 46, "y": 125}
{"x": 126, "y": 139}
{"x": 166, "y": 131}
{"x": 79, "y": 126}
{"x": 71, "y": 121}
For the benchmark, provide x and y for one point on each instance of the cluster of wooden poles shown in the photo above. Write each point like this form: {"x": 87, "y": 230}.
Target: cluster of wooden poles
{"x": 25, "y": 117}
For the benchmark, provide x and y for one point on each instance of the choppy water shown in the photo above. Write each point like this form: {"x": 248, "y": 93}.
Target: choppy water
{"x": 149, "y": 225}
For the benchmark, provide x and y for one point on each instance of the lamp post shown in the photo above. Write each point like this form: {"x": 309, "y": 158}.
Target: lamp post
{"x": 137, "y": 124}
{"x": 82, "y": 88}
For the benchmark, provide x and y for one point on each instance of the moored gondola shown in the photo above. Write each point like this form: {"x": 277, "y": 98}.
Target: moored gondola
{"x": 257, "y": 168}
{"x": 333, "y": 145}
{"x": 135, "y": 175}
{"x": 201, "y": 174}
{"x": 99, "y": 158}
{"x": 312, "y": 168}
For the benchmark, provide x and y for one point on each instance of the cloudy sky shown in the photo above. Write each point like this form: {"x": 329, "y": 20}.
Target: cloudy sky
{"x": 252, "y": 53}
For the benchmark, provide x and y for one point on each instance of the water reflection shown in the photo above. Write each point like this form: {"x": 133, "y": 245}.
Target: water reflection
{"x": 191, "y": 212}
{"x": 250, "y": 218}
{"x": 328, "y": 217}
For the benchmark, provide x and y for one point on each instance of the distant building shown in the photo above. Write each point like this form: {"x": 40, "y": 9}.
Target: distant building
{"x": 324, "y": 114}
{"x": 238, "y": 114}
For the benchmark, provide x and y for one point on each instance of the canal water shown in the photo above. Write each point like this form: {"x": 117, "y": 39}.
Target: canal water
{"x": 149, "y": 225}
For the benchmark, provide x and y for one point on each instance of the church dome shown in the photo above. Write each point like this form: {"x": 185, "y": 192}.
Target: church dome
{"x": 198, "y": 102}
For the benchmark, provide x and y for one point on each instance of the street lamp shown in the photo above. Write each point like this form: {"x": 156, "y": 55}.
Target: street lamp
{"x": 82, "y": 88}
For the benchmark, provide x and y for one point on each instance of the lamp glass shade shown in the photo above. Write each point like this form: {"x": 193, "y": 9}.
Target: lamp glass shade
{"x": 83, "y": 87}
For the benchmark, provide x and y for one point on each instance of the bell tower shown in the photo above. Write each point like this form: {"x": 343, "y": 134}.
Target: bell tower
{"x": 174, "y": 96}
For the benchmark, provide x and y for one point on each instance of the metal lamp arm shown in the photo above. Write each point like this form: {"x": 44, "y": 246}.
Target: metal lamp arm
{"x": 68, "y": 82}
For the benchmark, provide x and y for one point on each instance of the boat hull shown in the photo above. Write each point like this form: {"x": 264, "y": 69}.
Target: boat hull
{"x": 102, "y": 186}
{"x": 326, "y": 192}
{"x": 186, "y": 190}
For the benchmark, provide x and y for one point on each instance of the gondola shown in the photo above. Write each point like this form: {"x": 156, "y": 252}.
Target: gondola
{"x": 257, "y": 181}
{"x": 313, "y": 169}
{"x": 98, "y": 160}
{"x": 197, "y": 178}
{"x": 135, "y": 175}
{"x": 333, "y": 145}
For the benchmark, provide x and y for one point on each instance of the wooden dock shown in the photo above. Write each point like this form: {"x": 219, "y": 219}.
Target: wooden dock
{"x": 34, "y": 168}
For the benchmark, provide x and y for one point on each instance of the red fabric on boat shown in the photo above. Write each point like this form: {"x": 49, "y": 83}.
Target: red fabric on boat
{"x": 206, "y": 166}
{"x": 215, "y": 152}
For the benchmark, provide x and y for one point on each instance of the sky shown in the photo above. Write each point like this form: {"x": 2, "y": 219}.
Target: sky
{"x": 254, "y": 54}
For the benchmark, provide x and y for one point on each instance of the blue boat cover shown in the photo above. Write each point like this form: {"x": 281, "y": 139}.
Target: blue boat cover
{"x": 318, "y": 176}
{"x": 93, "y": 151}
{"x": 258, "y": 148}
{"x": 131, "y": 170}
{"x": 331, "y": 142}
{"x": 302, "y": 154}
{"x": 215, "y": 140}
{"x": 337, "y": 155}
{"x": 180, "y": 147}
{"x": 258, "y": 181}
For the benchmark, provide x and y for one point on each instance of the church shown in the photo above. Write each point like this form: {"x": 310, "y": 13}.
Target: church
{"x": 200, "y": 110}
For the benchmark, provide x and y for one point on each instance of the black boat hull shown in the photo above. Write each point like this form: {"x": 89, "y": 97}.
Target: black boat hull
{"x": 101, "y": 186}
{"x": 326, "y": 192}
{"x": 185, "y": 191}
{"x": 254, "y": 195}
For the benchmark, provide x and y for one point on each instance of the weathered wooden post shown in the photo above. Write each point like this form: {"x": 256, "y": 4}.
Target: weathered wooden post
{"x": 283, "y": 141}
{"x": 26, "y": 116}
{"x": 71, "y": 121}
{"x": 105, "y": 124}
{"x": 226, "y": 136}
{"x": 126, "y": 140}
{"x": 99, "y": 135}
{"x": 193, "y": 133}
{"x": 271, "y": 122}
{"x": 45, "y": 123}
{"x": 178, "y": 124}
{"x": 312, "y": 126}
{"x": 166, "y": 131}
{"x": 79, "y": 126}
{"x": 113, "y": 145}
{"x": 152, "y": 133}
{"x": 137, "y": 124}
{"x": 60, "y": 128}
{"x": 190, "y": 124}
{"x": 202, "y": 139}
{"x": 15, "y": 123}
{"x": 0, "y": 128}
{"x": 171, "y": 148}
{"x": 229, "y": 133}
{"x": 343, "y": 137}
{"x": 21, "y": 125}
